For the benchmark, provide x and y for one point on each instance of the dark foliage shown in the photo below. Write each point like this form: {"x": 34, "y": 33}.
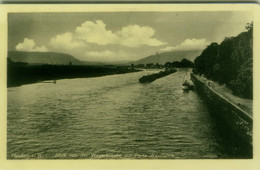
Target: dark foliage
{"x": 184, "y": 63}
{"x": 19, "y": 73}
{"x": 230, "y": 63}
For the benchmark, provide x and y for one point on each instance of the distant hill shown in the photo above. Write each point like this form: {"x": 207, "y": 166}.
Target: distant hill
{"x": 171, "y": 56}
{"x": 43, "y": 58}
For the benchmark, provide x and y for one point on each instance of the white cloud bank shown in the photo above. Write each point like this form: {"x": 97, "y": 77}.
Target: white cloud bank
{"x": 130, "y": 36}
{"x": 90, "y": 34}
{"x": 95, "y": 35}
{"x": 135, "y": 36}
{"x": 187, "y": 45}
{"x": 30, "y": 46}
{"x": 65, "y": 41}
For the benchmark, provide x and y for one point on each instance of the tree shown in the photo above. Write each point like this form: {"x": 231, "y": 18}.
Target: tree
{"x": 230, "y": 62}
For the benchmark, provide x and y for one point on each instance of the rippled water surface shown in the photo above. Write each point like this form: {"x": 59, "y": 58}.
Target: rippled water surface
{"x": 111, "y": 117}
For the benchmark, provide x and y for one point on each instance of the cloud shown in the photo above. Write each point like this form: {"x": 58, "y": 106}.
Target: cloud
{"x": 29, "y": 45}
{"x": 93, "y": 41}
{"x": 135, "y": 36}
{"x": 168, "y": 48}
{"x": 65, "y": 41}
{"x": 130, "y": 36}
{"x": 188, "y": 44}
{"x": 95, "y": 33}
{"x": 108, "y": 55}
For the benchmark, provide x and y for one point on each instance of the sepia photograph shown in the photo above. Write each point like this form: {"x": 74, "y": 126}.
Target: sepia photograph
{"x": 130, "y": 85}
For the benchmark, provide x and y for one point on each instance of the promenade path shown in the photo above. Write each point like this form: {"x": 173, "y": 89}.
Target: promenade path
{"x": 243, "y": 104}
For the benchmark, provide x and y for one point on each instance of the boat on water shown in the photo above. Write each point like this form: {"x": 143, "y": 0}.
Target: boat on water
{"x": 150, "y": 78}
{"x": 187, "y": 83}
{"x": 191, "y": 85}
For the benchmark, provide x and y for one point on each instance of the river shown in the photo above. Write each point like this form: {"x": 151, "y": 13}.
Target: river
{"x": 113, "y": 117}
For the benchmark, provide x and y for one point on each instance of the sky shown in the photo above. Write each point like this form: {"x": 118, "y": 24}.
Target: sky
{"x": 121, "y": 36}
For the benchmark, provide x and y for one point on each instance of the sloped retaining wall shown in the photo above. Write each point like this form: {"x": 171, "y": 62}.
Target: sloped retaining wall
{"x": 239, "y": 121}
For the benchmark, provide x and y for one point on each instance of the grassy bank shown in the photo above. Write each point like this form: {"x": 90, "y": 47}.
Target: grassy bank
{"x": 22, "y": 73}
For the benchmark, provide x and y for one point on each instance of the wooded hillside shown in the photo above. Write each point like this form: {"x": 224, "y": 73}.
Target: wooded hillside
{"x": 230, "y": 63}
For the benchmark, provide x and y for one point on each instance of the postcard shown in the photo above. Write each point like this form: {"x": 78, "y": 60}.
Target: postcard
{"x": 129, "y": 86}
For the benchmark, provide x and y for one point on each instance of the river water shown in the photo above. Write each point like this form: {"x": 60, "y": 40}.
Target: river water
{"x": 113, "y": 117}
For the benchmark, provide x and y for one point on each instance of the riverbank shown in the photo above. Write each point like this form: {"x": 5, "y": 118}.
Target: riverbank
{"x": 233, "y": 111}
{"x": 27, "y": 74}
{"x": 245, "y": 104}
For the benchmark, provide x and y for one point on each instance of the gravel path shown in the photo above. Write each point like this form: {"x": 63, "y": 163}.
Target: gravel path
{"x": 244, "y": 104}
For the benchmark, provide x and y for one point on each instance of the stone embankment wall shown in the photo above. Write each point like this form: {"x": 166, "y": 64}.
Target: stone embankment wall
{"x": 239, "y": 121}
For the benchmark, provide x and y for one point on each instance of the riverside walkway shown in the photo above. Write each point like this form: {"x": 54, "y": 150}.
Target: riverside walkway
{"x": 245, "y": 105}
{"x": 235, "y": 111}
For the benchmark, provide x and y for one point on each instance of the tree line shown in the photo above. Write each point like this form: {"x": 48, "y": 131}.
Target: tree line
{"x": 19, "y": 73}
{"x": 184, "y": 63}
{"x": 230, "y": 63}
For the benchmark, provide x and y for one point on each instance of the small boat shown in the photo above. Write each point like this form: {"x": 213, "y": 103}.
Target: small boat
{"x": 191, "y": 85}
{"x": 187, "y": 83}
